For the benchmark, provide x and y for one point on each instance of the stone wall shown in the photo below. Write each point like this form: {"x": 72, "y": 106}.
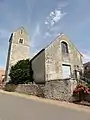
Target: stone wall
{"x": 54, "y": 59}
{"x": 30, "y": 89}
{"x": 56, "y": 89}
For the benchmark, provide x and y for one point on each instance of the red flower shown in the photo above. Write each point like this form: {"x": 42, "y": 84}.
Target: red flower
{"x": 81, "y": 87}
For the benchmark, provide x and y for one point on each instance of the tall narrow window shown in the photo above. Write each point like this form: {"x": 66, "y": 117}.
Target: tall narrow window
{"x": 64, "y": 47}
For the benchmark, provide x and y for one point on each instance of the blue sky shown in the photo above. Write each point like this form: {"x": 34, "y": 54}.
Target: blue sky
{"x": 44, "y": 20}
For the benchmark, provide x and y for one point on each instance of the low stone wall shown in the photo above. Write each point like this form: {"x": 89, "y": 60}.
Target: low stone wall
{"x": 56, "y": 89}
{"x": 30, "y": 89}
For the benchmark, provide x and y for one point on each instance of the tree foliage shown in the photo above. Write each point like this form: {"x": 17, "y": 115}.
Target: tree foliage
{"x": 21, "y": 72}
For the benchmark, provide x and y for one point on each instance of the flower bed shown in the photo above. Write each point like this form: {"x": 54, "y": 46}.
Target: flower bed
{"x": 81, "y": 91}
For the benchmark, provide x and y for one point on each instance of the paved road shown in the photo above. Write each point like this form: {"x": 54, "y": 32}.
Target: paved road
{"x": 16, "y": 108}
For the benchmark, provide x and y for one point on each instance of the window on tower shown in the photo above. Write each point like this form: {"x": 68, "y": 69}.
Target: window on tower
{"x": 21, "y": 41}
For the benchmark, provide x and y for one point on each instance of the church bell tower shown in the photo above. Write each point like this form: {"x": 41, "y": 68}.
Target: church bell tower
{"x": 18, "y": 49}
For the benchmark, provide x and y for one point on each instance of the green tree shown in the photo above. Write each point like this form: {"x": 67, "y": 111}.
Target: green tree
{"x": 21, "y": 72}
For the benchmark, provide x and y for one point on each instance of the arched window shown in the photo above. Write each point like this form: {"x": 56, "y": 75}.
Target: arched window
{"x": 21, "y": 41}
{"x": 64, "y": 47}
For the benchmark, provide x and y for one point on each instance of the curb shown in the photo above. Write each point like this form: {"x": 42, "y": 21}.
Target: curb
{"x": 72, "y": 106}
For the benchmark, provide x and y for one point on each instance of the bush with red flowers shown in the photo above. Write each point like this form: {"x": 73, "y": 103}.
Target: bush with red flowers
{"x": 80, "y": 91}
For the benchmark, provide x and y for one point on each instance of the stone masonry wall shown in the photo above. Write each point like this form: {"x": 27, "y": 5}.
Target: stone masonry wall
{"x": 17, "y": 48}
{"x": 54, "y": 59}
{"x": 30, "y": 89}
{"x": 56, "y": 89}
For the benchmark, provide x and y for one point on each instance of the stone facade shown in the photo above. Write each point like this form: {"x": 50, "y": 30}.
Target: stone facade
{"x": 18, "y": 49}
{"x": 54, "y": 60}
{"x": 58, "y": 90}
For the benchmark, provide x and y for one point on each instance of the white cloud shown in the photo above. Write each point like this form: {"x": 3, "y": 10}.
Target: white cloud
{"x": 55, "y": 28}
{"x": 86, "y": 57}
{"x": 58, "y": 15}
{"x": 36, "y": 32}
{"x": 29, "y": 9}
{"x": 47, "y": 34}
{"x": 46, "y": 22}
{"x": 34, "y": 36}
{"x": 54, "y": 17}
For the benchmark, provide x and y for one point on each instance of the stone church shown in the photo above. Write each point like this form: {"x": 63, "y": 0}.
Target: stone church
{"x": 57, "y": 66}
{"x": 58, "y": 60}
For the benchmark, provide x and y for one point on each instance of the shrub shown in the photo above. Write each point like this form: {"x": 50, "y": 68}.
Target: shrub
{"x": 80, "y": 91}
{"x": 20, "y": 73}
